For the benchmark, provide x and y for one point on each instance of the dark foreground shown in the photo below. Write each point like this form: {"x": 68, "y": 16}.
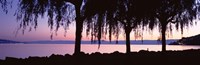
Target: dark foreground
{"x": 186, "y": 57}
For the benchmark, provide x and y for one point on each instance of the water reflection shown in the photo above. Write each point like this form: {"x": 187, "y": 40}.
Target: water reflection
{"x": 26, "y": 50}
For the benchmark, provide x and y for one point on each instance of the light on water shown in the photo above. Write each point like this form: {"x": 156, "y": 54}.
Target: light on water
{"x": 26, "y": 50}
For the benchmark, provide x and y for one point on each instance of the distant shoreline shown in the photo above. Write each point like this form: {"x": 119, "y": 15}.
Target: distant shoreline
{"x": 89, "y": 42}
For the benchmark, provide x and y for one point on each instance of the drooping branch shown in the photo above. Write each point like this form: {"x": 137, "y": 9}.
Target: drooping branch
{"x": 59, "y": 13}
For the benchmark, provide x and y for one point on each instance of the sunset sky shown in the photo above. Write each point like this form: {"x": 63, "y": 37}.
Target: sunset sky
{"x": 9, "y": 25}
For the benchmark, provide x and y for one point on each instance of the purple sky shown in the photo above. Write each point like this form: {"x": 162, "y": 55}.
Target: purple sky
{"x": 9, "y": 25}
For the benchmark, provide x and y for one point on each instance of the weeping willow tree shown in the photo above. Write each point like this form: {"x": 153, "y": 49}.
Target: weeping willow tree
{"x": 168, "y": 12}
{"x": 132, "y": 16}
{"x": 113, "y": 16}
{"x": 100, "y": 20}
{"x": 108, "y": 16}
{"x": 59, "y": 13}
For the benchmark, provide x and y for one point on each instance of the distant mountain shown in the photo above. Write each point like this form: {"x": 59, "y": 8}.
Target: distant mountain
{"x": 95, "y": 42}
{"x": 51, "y": 42}
{"x": 193, "y": 40}
{"x": 2, "y": 41}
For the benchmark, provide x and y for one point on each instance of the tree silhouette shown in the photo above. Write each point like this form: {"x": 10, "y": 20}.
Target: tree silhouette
{"x": 100, "y": 18}
{"x": 131, "y": 14}
{"x": 165, "y": 12}
{"x": 104, "y": 16}
{"x": 59, "y": 13}
{"x": 79, "y": 25}
{"x": 126, "y": 14}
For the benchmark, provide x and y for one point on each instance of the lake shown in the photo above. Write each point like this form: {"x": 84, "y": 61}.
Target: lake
{"x": 26, "y": 50}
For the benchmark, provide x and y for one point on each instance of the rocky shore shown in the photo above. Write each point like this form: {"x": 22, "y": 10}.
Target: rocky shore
{"x": 143, "y": 57}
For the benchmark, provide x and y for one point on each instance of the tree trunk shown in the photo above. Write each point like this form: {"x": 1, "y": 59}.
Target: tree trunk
{"x": 163, "y": 37}
{"x": 128, "y": 47}
{"x": 100, "y": 18}
{"x": 79, "y": 28}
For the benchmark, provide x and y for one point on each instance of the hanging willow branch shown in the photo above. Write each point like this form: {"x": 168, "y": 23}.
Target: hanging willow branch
{"x": 59, "y": 13}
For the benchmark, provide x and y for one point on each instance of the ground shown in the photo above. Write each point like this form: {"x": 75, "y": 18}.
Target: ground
{"x": 142, "y": 57}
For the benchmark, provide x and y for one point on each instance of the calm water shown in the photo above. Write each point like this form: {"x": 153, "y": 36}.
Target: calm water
{"x": 26, "y": 50}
